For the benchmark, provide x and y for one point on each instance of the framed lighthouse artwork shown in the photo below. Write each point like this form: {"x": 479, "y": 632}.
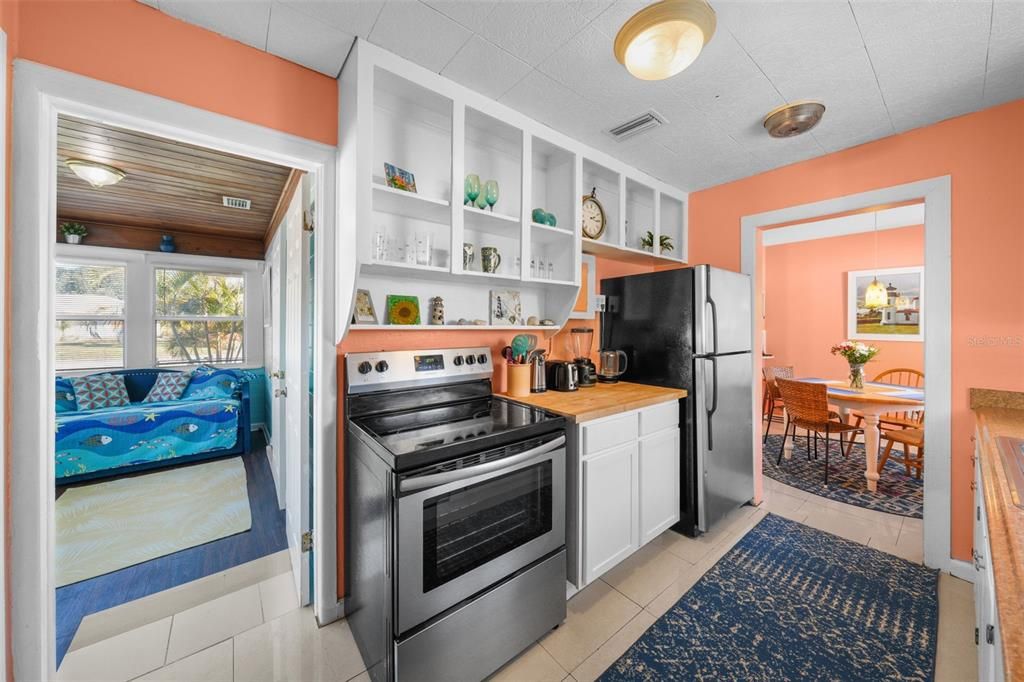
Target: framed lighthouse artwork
{"x": 901, "y": 318}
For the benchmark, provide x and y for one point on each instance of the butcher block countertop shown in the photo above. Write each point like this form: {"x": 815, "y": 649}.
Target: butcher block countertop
{"x": 602, "y": 400}
{"x": 1001, "y": 413}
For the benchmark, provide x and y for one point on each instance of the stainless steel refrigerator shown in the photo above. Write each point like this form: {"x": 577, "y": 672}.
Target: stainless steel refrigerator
{"x": 690, "y": 329}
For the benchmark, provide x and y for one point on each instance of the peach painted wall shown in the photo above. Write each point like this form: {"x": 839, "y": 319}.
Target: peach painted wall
{"x": 984, "y": 155}
{"x": 377, "y": 340}
{"x": 805, "y": 295}
{"x": 131, "y": 44}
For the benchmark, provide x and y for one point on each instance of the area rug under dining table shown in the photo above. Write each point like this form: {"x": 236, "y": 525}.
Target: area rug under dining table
{"x": 791, "y": 602}
{"x": 898, "y": 492}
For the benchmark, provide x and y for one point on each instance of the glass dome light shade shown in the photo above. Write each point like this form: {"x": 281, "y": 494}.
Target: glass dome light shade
{"x": 95, "y": 173}
{"x": 662, "y": 39}
{"x": 876, "y": 296}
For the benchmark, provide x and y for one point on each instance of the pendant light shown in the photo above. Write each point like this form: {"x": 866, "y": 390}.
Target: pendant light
{"x": 662, "y": 39}
{"x": 876, "y": 295}
{"x": 95, "y": 173}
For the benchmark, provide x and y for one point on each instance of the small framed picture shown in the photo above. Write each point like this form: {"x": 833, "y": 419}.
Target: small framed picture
{"x": 506, "y": 308}
{"x": 364, "y": 312}
{"x": 902, "y": 316}
{"x": 403, "y": 309}
{"x": 399, "y": 178}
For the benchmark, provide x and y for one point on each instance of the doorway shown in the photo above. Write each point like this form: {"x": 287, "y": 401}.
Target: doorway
{"x": 935, "y": 196}
{"x": 44, "y": 94}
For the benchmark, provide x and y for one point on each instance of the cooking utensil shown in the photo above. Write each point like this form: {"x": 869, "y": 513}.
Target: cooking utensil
{"x": 520, "y": 347}
{"x": 506, "y": 353}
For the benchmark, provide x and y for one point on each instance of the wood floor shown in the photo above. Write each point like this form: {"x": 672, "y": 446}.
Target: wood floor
{"x": 267, "y": 536}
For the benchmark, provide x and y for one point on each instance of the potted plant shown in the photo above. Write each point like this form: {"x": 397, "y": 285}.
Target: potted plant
{"x": 856, "y": 354}
{"x": 664, "y": 242}
{"x": 73, "y": 232}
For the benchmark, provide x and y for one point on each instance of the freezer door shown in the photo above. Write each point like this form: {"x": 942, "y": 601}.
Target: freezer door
{"x": 721, "y": 311}
{"x": 725, "y": 436}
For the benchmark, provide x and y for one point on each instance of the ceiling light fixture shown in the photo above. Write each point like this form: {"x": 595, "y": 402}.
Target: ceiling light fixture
{"x": 793, "y": 119}
{"x": 876, "y": 296}
{"x": 662, "y": 39}
{"x": 95, "y": 173}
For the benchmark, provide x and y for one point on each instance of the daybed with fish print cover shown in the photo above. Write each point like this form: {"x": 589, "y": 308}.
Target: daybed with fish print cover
{"x": 210, "y": 419}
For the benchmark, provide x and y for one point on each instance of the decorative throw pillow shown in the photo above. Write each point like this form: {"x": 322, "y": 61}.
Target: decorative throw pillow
{"x": 168, "y": 386}
{"x": 100, "y": 390}
{"x": 210, "y": 382}
{"x": 65, "y": 396}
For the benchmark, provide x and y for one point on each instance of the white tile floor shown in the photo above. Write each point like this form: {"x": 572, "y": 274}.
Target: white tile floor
{"x": 258, "y": 633}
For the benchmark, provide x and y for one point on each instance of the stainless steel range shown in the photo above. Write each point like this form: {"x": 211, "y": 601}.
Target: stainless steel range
{"x": 455, "y": 516}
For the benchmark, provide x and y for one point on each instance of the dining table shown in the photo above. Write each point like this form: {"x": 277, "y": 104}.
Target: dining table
{"x": 872, "y": 401}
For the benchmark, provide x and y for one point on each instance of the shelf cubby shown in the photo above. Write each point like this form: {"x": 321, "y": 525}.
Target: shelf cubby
{"x": 494, "y": 151}
{"x": 640, "y": 219}
{"x": 606, "y": 183}
{"x": 553, "y": 182}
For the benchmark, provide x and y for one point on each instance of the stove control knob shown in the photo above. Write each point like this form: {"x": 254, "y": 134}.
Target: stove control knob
{"x": 470, "y": 360}
{"x": 482, "y": 359}
{"x": 457, "y": 361}
{"x": 365, "y": 367}
{"x": 382, "y": 366}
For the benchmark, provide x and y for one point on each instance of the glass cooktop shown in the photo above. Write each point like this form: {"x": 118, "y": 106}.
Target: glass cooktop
{"x": 434, "y": 428}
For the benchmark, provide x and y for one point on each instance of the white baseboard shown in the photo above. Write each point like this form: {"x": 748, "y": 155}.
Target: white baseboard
{"x": 962, "y": 569}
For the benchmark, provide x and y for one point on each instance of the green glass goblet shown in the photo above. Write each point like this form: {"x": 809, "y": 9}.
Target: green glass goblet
{"x": 471, "y": 187}
{"x": 491, "y": 193}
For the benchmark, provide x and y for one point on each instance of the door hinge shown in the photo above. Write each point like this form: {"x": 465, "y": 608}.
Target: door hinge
{"x": 307, "y": 221}
{"x": 307, "y": 541}
{"x": 977, "y": 641}
{"x": 990, "y": 634}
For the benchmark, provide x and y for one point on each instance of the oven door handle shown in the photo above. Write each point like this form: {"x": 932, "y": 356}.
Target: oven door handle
{"x": 432, "y": 480}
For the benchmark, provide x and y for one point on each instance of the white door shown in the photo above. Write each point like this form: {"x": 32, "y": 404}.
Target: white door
{"x": 275, "y": 368}
{"x": 296, "y": 384}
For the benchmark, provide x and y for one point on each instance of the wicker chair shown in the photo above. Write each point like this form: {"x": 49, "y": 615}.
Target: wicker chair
{"x": 807, "y": 407}
{"x": 911, "y": 419}
{"x": 908, "y": 438}
{"x": 772, "y": 398}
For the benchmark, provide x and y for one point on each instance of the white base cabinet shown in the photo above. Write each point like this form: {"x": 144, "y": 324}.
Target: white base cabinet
{"x": 627, "y": 489}
{"x": 986, "y": 632}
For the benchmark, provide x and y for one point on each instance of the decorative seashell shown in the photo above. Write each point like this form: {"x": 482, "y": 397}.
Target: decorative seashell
{"x": 547, "y": 323}
{"x": 532, "y": 321}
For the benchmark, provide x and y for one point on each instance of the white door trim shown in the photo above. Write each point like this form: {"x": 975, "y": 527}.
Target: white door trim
{"x": 5, "y": 296}
{"x": 41, "y": 93}
{"x": 936, "y": 194}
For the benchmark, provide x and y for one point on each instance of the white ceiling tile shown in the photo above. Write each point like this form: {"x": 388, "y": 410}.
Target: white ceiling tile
{"x": 1007, "y": 44}
{"x": 486, "y": 68}
{"x": 780, "y": 36}
{"x": 470, "y": 13}
{"x": 548, "y": 101}
{"x": 533, "y": 29}
{"x": 611, "y": 19}
{"x": 1004, "y": 85}
{"x": 304, "y": 40}
{"x": 419, "y": 33}
{"x": 931, "y": 102}
{"x": 355, "y": 17}
{"x": 244, "y": 21}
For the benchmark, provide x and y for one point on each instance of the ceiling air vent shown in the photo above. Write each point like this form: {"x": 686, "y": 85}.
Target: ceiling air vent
{"x": 649, "y": 120}
{"x": 235, "y": 202}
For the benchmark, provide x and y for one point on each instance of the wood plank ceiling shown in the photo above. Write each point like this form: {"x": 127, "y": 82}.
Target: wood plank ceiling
{"x": 169, "y": 187}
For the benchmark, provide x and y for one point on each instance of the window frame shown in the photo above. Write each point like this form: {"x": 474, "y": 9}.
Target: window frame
{"x": 156, "y": 318}
{"x": 123, "y": 318}
{"x": 140, "y": 318}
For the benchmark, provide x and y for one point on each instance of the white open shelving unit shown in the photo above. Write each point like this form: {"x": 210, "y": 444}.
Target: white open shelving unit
{"x": 393, "y": 111}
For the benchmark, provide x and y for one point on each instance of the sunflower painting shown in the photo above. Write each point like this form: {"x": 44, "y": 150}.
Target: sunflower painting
{"x": 403, "y": 310}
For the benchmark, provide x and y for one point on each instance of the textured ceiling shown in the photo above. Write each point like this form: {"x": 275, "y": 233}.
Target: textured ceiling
{"x": 880, "y": 66}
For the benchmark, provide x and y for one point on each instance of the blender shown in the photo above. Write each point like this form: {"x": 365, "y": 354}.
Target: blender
{"x": 581, "y": 340}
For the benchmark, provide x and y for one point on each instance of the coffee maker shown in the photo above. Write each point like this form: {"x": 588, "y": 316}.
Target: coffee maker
{"x": 581, "y": 340}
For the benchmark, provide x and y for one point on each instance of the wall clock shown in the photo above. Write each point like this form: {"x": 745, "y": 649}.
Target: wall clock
{"x": 594, "y": 220}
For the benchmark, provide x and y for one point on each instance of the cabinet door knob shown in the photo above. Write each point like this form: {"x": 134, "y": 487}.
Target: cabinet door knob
{"x": 280, "y": 392}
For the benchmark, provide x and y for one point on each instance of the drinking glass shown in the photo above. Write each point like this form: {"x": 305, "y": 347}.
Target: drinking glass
{"x": 540, "y": 269}
{"x": 471, "y": 187}
{"x": 533, "y": 267}
{"x": 491, "y": 193}
{"x": 410, "y": 252}
{"x": 424, "y": 246}
{"x": 379, "y": 246}
{"x": 551, "y": 269}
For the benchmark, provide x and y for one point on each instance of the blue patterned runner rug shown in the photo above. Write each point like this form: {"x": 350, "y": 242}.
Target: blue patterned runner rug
{"x": 790, "y": 602}
{"x": 897, "y": 492}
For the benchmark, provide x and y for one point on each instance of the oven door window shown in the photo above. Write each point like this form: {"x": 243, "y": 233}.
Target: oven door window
{"x": 469, "y": 527}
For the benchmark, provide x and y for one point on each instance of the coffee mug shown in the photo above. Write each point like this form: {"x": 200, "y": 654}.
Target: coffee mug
{"x": 490, "y": 259}
{"x": 467, "y": 256}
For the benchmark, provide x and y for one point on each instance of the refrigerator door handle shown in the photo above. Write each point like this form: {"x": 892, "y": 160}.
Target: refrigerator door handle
{"x": 714, "y": 400}
{"x": 714, "y": 314}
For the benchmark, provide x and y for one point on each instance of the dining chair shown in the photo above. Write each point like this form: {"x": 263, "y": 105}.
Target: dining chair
{"x": 908, "y": 438}
{"x": 807, "y": 407}
{"x": 772, "y": 399}
{"x": 908, "y": 419}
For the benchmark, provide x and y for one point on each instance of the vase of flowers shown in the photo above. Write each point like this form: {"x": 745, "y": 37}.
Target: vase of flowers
{"x": 73, "y": 232}
{"x": 857, "y": 354}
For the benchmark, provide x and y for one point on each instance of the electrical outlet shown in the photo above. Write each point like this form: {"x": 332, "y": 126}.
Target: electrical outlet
{"x": 600, "y": 302}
